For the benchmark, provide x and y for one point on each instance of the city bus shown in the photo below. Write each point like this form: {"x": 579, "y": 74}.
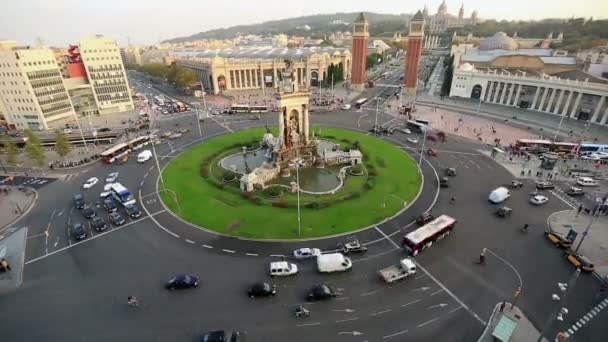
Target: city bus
{"x": 426, "y": 235}
{"x": 533, "y": 145}
{"x": 360, "y": 102}
{"x": 416, "y": 126}
{"x": 588, "y": 148}
{"x": 239, "y": 109}
{"x": 110, "y": 155}
{"x": 258, "y": 109}
{"x": 138, "y": 142}
{"x": 122, "y": 194}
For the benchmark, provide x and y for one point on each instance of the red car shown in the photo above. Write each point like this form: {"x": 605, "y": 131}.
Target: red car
{"x": 431, "y": 152}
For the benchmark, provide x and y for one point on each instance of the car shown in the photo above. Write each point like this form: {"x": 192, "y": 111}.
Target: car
{"x": 88, "y": 212}
{"x": 110, "y": 205}
{"x": 184, "y": 130}
{"x": 516, "y": 184}
{"x": 182, "y": 281}
{"x": 558, "y": 239}
{"x": 133, "y": 211}
{"x": 321, "y": 292}
{"x": 424, "y": 218}
{"x": 79, "y": 201}
{"x": 580, "y": 261}
{"x": 574, "y": 191}
{"x": 262, "y": 290}
{"x": 450, "y": 171}
{"x": 282, "y": 268}
{"x": 586, "y": 181}
{"x": 223, "y": 336}
{"x": 144, "y": 156}
{"x": 111, "y": 178}
{"x": 90, "y": 183}
{"x": 78, "y": 231}
{"x": 431, "y": 152}
{"x": 105, "y": 194}
{"x": 304, "y": 253}
{"x": 544, "y": 185}
{"x": 116, "y": 219}
{"x": 412, "y": 140}
{"x": 444, "y": 182}
{"x": 504, "y": 211}
{"x": 539, "y": 199}
{"x": 404, "y": 130}
{"x": 175, "y": 135}
{"x": 98, "y": 224}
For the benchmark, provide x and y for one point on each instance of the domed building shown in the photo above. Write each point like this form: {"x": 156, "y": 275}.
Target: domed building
{"x": 442, "y": 20}
{"x": 499, "y": 41}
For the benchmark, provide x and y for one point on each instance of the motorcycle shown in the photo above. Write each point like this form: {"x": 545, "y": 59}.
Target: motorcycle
{"x": 301, "y": 311}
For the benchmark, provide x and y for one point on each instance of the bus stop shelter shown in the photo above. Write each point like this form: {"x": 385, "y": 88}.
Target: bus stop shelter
{"x": 504, "y": 329}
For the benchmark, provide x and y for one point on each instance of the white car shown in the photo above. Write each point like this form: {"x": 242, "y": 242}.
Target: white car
{"x": 111, "y": 178}
{"x": 305, "y": 253}
{"x": 412, "y": 140}
{"x": 539, "y": 200}
{"x": 90, "y": 183}
{"x": 107, "y": 190}
{"x": 586, "y": 181}
{"x": 404, "y": 131}
{"x": 144, "y": 156}
{"x": 345, "y": 106}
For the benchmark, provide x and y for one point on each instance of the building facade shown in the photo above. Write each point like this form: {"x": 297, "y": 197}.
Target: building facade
{"x": 360, "y": 46}
{"x": 443, "y": 21}
{"x": 106, "y": 74}
{"x": 594, "y": 61}
{"x": 32, "y": 92}
{"x": 414, "y": 52}
{"x": 574, "y": 95}
{"x": 230, "y": 70}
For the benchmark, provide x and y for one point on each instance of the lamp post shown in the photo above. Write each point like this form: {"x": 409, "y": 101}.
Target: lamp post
{"x": 158, "y": 165}
{"x": 560, "y": 311}
{"x": 198, "y": 120}
{"x": 585, "y": 233}
{"x": 479, "y": 105}
{"x": 559, "y": 126}
{"x": 422, "y": 147}
{"x": 297, "y": 164}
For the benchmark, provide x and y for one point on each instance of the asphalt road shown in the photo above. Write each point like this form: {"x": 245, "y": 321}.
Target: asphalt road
{"x": 77, "y": 291}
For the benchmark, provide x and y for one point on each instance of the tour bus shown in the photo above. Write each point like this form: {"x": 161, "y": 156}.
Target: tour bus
{"x": 416, "y": 126}
{"x": 139, "y": 142}
{"x": 588, "y": 148}
{"x": 542, "y": 146}
{"x": 258, "y": 109}
{"x": 360, "y": 102}
{"x": 239, "y": 108}
{"x": 122, "y": 195}
{"x": 110, "y": 155}
{"x": 424, "y": 236}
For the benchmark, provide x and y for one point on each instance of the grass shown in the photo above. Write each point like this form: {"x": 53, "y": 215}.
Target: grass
{"x": 227, "y": 212}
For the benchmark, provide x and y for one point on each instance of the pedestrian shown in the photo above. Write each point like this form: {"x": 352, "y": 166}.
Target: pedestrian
{"x": 502, "y": 306}
{"x": 580, "y": 208}
{"x": 4, "y": 265}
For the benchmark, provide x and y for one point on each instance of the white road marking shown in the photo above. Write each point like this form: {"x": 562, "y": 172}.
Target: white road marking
{"x": 153, "y": 219}
{"x": 228, "y": 251}
{"x": 341, "y": 298}
{"x": 308, "y": 324}
{"x": 410, "y": 303}
{"x": 252, "y": 254}
{"x": 380, "y": 312}
{"x": 150, "y": 194}
{"x": 456, "y": 309}
{"x": 347, "y": 320}
{"x": 562, "y": 199}
{"x": 61, "y": 212}
{"x": 158, "y": 212}
{"x": 420, "y": 276}
{"x": 387, "y": 237}
{"x": 207, "y": 246}
{"x": 395, "y": 334}
{"x": 368, "y": 293}
{"x": 146, "y": 174}
{"x": 190, "y": 241}
{"x": 427, "y": 322}
{"x": 277, "y": 255}
{"x": 472, "y": 162}
{"x": 436, "y": 292}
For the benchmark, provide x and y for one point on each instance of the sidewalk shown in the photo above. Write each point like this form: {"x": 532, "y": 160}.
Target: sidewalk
{"x": 12, "y": 247}
{"x": 595, "y": 246}
{"x": 513, "y": 323}
{"x": 14, "y": 205}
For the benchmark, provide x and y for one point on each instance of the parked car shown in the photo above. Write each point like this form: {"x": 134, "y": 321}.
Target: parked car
{"x": 586, "y": 181}
{"x": 110, "y": 205}
{"x": 182, "y": 281}
{"x": 79, "y": 201}
{"x": 539, "y": 199}
{"x": 544, "y": 185}
{"x": 111, "y": 178}
{"x": 574, "y": 191}
{"x": 98, "y": 224}
{"x": 133, "y": 211}
{"x": 78, "y": 231}
{"x": 90, "y": 183}
{"x": 262, "y": 290}
{"x": 558, "y": 240}
{"x": 412, "y": 140}
{"x": 321, "y": 292}
{"x": 580, "y": 261}
{"x": 88, "y": 212}
{"x": 404, "y": 130}
{"x": 116, "y": 219}
{"x": 144, "y": 156}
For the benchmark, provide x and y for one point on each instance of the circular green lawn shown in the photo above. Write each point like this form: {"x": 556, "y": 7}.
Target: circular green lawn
{"x": 395, "y": 182}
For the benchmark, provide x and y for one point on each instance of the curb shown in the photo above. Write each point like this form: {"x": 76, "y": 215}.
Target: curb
{"x": 24, "y": 213}
{"x": 485, "y": 331}
{"x": 308, "y": 239}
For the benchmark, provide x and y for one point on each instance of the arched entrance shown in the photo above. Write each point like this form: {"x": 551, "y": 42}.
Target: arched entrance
{"x": 314, "y": 78}
{"x": 476, "y": 92}
{"x": 221, "y": 83}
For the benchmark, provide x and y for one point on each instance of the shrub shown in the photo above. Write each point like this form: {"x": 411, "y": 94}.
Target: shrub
{"x": 317, "y": 205}
{"x": 356, "y": 170}
{"x": 352, "y": 195}
{"x": 204, "y": 171}
{"x": 370, "y": 183}
{"x": 372, "y": 172}
{"x": 229, "y": 176}
{"x": 247, "y": 195}
{"x": 273, "y": 192}
{"x": 280, "y": 204}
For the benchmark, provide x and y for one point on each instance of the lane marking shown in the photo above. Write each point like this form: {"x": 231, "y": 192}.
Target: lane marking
{"x": 387, "y": 237}
{"x": 380, "y": 312}
{"x": 158, "y": 212}
{"x": 347, "y": 320}
{"x": 410, "y": 303}
{"x": 308, "y": 324}
{"x": 150, "y": 194}
{"x": 341, "y": 298}
{"x": 436, "y": 292}
{"x": 395, "y": 334}
{"x": 427, "y": 322}
{"x": 207, "y": 246}
{"x": 141, "y": 183}
{"x": 228, "y": 251}
{"x": 277, "y": 255}
{"x": 368, "y": 293}
{"x": 252, "y": 254}
{"x": 190, "y": 241}
{"x": 562, "y": 199}
{"x": 453, "y": 310}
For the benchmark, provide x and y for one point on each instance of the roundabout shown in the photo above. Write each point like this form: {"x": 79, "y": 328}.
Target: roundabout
{"x": 388, "y": 177}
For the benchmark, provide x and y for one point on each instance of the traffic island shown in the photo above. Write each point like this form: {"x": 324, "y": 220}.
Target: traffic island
{"x": 508, "y": 323}
{"x": 12, "y": 249}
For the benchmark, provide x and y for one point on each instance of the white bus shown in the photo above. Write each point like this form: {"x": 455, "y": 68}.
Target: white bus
{"x": 424, "y": 236}
{"x": 122, "y": 194}
{"x": 360, "y": 102}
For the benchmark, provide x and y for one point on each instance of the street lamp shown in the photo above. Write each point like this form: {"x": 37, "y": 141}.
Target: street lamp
{"x": 422, "y": 147}
{"x": 158, "y": 165}
{"x": 198, "y": 120}
{"x": 297, "y": 164}
{"x": 585, "y": 233}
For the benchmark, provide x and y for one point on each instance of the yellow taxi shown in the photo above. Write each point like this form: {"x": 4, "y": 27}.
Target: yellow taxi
{"x": 558, "y": 240}
{"x": 581, "y": 261}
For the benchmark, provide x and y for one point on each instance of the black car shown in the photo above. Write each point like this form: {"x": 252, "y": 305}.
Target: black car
{"x": 116, "y": 219}
{"x": 574, "y": 191}
{"x": 133, "y": 211}
{"x": 262, "y": 290}
{"x": 424, "y": 218}
{"x": 98, "y": 224}
{"x": 444, "y": 183}
{"x": 321, "y": 292}
{"x": 89, "y": 212}
{"x": 78, "y": 231}
{"x": 450, "y": 171}
{"x": 79, "y": 201}
{"x": 182, "y": 281}
{"x": 223, "y": 336}
{"x": 110, "y": 205}
{"x": 542, "y": 185}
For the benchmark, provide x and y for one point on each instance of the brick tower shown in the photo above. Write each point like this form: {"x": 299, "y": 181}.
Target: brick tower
{"x": 414, "y": 50}
{"x": 359, "y": 57}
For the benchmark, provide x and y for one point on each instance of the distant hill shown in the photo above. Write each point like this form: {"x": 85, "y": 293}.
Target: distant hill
{"x": 321, "y": 24}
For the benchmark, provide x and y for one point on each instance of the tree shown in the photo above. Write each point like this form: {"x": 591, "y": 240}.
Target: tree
{"x": 447, "y": 82}
{"x": 11, "y": 150}
{"x": 327, "y": 42}
{"x": 185, "y": 77}
{"x": 33, "y": 148}
{"x": 373, "y": 59}
{"x": 62, "y": 145}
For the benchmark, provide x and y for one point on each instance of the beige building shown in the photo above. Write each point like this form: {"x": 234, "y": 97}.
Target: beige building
{"x": 131, "y": 55}
{"x": 106, "y": 74}
{"x": 255, "y": 68}
{"x": 32, "y": 92}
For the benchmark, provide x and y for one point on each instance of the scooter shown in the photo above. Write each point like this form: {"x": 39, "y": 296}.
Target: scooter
{"x": 301, "y": 312}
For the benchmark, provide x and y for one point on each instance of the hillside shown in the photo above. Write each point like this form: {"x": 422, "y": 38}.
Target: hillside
{"x": 321, "y": 24}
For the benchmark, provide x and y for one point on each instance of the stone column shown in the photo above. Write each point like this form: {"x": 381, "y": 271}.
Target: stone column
{"x": 237, "y": 79}
{"x": 496, "y": 88}
{"x": 559, "y": 101}
{"x": 505, "y": 89}
{"x": 274, "y": 79}
{"x": 565, "y": 110}
{"x": 216, "y": 88}
{"x": 542, "y": 99}
{"x": 484, "y": 91}
{"x": 550, "y": 102}
{"x": 306, "y": 123}
{"x": 513, "y": 85}
{"x": 282, "y": 113}
{"x": 535, "y": 98}
{"x": 576, "y": 103}
{"x": 516, "y": 101}
{"x": 596, "y": 112}
{"x": 605, "y": 117}
{"x": 262, "y": 83}
{"x": 488, "y": 91}
{"x": 300, "y": 120}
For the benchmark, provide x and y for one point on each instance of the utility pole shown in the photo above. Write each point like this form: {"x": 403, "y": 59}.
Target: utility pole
{"x": 377, "y": 108}
{"x": 198, "y": 121}
{"x": 422, "y": 147}
{"x": 158, "y": 165}
{"x": 585, "y": 233}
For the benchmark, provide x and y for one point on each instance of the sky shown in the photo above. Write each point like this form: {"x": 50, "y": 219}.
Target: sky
{"x": 61, "y": 22}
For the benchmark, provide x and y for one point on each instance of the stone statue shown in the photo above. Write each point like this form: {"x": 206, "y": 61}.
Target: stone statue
{"x": 293, "y": 130}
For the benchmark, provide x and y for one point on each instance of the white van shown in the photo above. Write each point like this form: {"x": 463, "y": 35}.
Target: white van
{"x": 334, "y": 262}
{"x": 144, "y": 156}
{"x": 499, "y": 195}
{"x": 586, "y": 181}
{"x": 282, "y": 268}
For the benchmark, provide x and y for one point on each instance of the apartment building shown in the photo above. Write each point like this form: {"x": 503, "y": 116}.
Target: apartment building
{"x": 32, "y": 92}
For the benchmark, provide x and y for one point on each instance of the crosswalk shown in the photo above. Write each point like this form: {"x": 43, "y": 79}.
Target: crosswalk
{"x": 586, "y": 318}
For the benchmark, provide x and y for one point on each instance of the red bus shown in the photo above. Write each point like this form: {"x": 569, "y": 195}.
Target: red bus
{"x": 110, "y": 155}
{"x": 424, "y": 236}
